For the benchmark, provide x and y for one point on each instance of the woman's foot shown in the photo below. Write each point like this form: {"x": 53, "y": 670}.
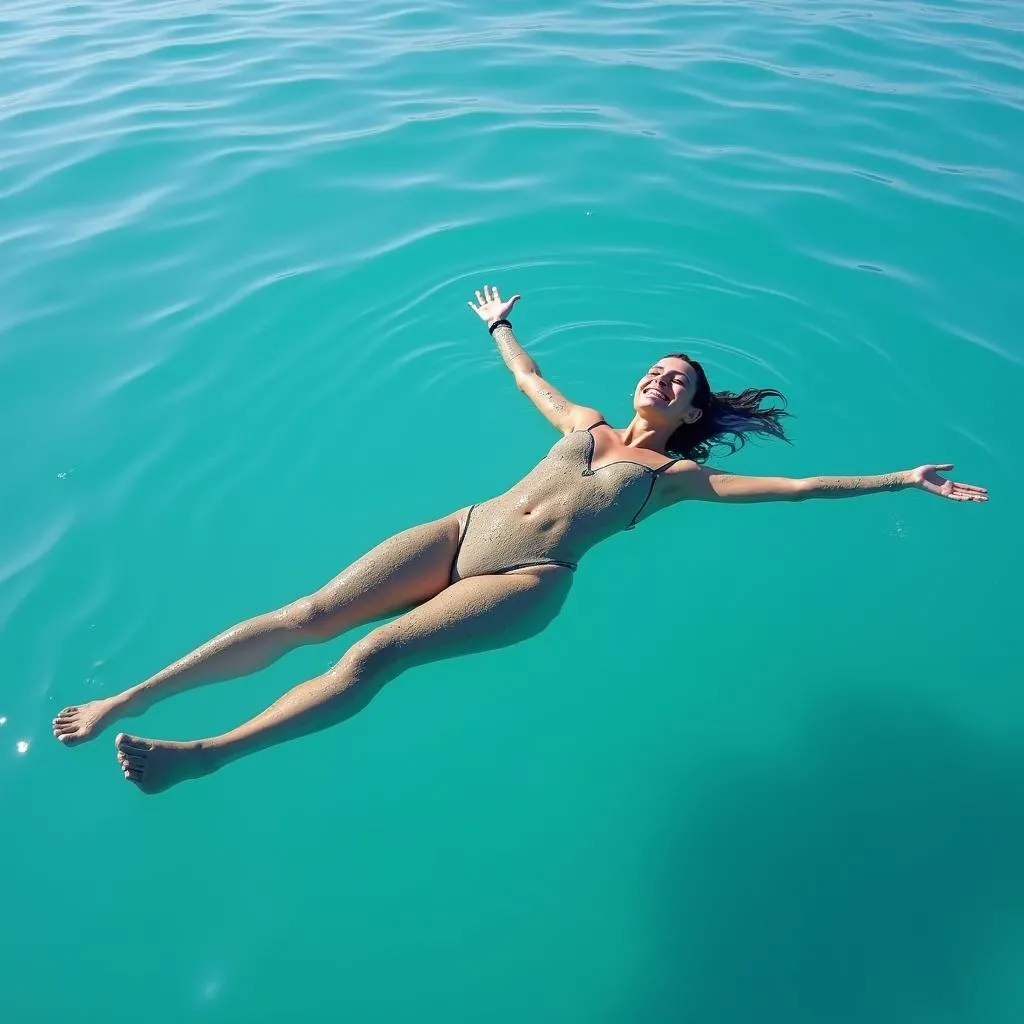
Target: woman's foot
{"x": 81, "y": 722}
{"x": 156, "y": 765}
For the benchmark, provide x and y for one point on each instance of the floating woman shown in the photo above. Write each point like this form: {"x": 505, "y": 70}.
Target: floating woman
{"x": 490, "y": 574}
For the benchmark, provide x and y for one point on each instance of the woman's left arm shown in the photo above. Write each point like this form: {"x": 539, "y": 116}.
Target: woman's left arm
{"x": 687, "y": 480}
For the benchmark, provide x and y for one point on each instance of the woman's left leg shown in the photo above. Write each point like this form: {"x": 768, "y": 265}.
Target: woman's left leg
{"x": 473, "y": 614}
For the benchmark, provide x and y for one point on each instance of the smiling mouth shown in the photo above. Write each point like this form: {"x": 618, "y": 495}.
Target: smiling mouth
{"x": 656, "y": 393}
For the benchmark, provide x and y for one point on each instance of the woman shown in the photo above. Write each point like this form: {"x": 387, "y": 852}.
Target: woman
{"x": 487, "y": 575}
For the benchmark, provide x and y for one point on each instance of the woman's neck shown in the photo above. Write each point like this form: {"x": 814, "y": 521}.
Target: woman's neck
{"x": 641, "y": 433}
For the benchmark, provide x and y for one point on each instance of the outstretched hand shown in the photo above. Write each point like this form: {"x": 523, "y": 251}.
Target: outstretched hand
{"x": 490, "y": 306}
{"x": 928, "y": 478}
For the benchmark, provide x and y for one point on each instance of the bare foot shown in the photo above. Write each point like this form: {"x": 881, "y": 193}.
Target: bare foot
{"x": 156, "y": 765}
{"x": 79, "y": 723}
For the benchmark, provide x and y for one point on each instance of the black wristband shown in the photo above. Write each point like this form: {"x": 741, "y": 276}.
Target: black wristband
{"x": 497, "y": 324}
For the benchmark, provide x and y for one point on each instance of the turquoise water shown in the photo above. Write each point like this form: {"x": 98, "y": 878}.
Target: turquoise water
{"x": 767, "y": 763}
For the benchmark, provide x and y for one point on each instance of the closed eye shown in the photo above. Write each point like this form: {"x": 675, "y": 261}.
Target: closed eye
{"x": 673, "y": 379}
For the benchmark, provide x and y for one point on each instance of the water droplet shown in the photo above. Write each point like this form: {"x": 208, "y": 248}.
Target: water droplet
{"x": 22, "y": 746}
{"x": 3, "y": 719}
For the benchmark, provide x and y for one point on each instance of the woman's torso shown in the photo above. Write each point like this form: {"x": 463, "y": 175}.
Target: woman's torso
{"x": 560, "y": 509}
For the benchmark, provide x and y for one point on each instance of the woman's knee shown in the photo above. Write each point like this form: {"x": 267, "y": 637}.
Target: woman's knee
{"x": 309, "y": 618}
{"x": 374, "y": 654}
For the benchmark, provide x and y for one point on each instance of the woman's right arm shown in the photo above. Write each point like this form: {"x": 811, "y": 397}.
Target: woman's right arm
{"x": 556, "y": 408}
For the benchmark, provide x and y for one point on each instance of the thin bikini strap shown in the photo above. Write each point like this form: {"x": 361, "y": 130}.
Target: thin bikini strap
{"x": 458, "y": 547}
{"x": 589, "y": 471}
{"x": 650, "y": 490}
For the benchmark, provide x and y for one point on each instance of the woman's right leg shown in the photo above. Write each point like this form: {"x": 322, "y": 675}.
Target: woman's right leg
{"x": 401, "y": 572}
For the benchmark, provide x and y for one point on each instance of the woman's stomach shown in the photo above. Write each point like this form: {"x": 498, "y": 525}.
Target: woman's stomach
{"x": 516, "y": 529}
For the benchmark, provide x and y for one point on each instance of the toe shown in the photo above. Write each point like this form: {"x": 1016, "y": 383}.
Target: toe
{"x": 67, "y": 712}
{"x": 67, "y": 738}
{"x": 131, "y": 744}
{"x": 134, "y": 763}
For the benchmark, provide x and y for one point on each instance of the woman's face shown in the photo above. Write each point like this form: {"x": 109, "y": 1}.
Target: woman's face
{"x": 665, "y": 393}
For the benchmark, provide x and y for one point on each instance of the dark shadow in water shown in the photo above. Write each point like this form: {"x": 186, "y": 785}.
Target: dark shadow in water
{"x": 874, "y": 879}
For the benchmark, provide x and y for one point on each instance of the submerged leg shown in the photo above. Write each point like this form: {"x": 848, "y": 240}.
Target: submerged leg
{"x": 403, "y": 571}
{"x": 478, "y": 613}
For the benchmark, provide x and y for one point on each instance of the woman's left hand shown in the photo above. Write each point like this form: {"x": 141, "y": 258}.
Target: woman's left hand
{"x": 928, "y": 478}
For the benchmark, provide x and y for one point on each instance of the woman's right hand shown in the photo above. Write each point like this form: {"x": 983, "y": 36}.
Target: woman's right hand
{"x": 490, "y": 306}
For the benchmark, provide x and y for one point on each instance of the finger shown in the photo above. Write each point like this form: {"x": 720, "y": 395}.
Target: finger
{"x": 476, "y": 309}
{"x": 945, "y": 467}
{"x": 495, "y": 295}
{"x": 480, "y": 298}
{"x": 971, "y": 488}
{"x": 513, "y": 300}
{"x": 489, "y": 292}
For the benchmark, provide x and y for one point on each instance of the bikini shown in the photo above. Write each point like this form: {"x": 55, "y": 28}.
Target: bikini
{"x": 591, "y": 504}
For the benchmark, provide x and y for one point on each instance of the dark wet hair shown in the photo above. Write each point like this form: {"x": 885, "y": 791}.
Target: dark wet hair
{"x": 727, "y": 419}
